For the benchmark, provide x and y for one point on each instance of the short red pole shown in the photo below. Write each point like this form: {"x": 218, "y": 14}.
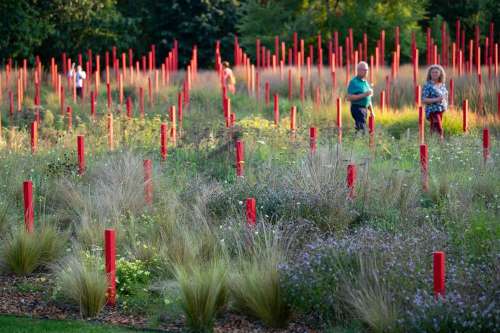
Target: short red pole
{"x": 163, "y": 141}
{"x": 313, "y": 137}
{"x": 239, "y": 158}
{"x": 34, "y": 136}
{"x": 465, "y": 110}
{"x": 251, "y": 213}
{"x": 276, "y": 110}
{"x": 371, "y": 124}
{"x": 424, "y": 166}
{"x": 339, "y": 119}
{"x": 29, "y": 214}
{"x": 439, "y": 274}
{"x": 80, "y": 142}
{"x": 148, "y": 182}
{"x": 351, "y": 180}
{"x": 110, "y": 254}
{"x": 486, "y": 143}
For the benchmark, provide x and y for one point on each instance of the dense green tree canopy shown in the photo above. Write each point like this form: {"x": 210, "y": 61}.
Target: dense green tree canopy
{"x": 49, "y": 27}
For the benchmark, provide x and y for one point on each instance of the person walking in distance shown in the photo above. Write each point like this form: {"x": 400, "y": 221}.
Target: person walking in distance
{"x": 79, "y": 76}
{"x": 359, "y": 93}
{"x": 435, "y": 98}
{"x": 229, "y": 79}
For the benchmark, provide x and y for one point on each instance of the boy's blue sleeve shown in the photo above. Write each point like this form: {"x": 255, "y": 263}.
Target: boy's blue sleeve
{"x": 350, "y": 88}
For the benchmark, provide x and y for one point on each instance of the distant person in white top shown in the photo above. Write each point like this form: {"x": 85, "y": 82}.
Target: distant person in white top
{"x": 229, "y": 79}
{"x": 80, "y": 75}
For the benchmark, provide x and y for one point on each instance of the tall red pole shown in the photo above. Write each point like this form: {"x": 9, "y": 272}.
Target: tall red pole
{"x": 293, "y": 116}
{"x": 465, "y": 110}
{"x": 110, "y": 254}
{"x": 421, "y": 125}
{"x": 29, "y": 214}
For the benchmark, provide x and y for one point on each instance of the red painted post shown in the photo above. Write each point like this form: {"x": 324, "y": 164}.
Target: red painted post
{"x": 227, "y": 112}
{"x": 451, "y": 96}
{"x": 439, "y": 274}
{"x": 276, "y": 110}
{"x": 80, "y": 142}
{"x": 351, "y": 180}
{"x": 29, "y": 214}
{"x": 251, "y": 213}
{"x": 129, "y": 107}
{"x": 313, "y": 138}
{"x": 486, "y": 143}
{"x": 371, "y": 124}
{"x": 240, "y": 156}
{"x": 418, "y": 95}
{"x": 465, "y": 110}
{"x": 163, "y": 141}
{"x": 148, "y": 182}
{"x": 34, "y": 136}
{"x": 424, "y": 166}
{"x": 108, "y": 94}
{"x": 110, "y": 254}
{"x": 293, "y": 116}
{"x": 421, "y": 125}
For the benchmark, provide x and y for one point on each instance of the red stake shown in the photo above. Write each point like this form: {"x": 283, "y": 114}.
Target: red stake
{"x": 163, "y": 141}
{"x": 29, "y": 213}
{"x": 439, "y": 274}
{"x": 108, "y": 94}
{"x": 267, "y": 93}
{"x": 251, "y": 212}
{"x": 351, "y": 180}
{"x": 34, "y": 137}
{"x": 240, "y": 156}
{"x": 465, "y": 110}
{"x": 129, "y": 107}
{"x": 110, "y": 254}
{"x": 80, "y": 141}
{"x": 424, "y": 166}
{"x": 148, "y": 182}
{"x": 486, "y": 143}
{"x": 313, "y": 137}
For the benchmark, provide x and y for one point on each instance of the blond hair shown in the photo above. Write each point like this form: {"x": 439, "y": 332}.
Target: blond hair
{"x": 442, "y": 76}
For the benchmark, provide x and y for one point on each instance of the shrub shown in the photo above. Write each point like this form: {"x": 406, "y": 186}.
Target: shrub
{"x": 83, "y": 282}
{"x": 256, "y": 285}
{"x": 203, "y": 293}
{"x": 24, "y": 252}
